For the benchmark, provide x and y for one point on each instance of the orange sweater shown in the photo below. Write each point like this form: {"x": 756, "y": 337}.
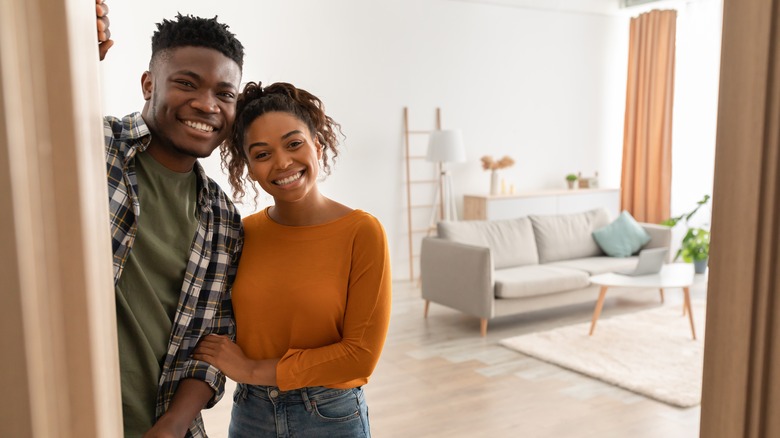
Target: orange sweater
{"x": 318, "y": 297}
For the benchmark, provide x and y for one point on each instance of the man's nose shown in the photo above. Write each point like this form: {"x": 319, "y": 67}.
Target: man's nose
{"x": 206, "y": 102}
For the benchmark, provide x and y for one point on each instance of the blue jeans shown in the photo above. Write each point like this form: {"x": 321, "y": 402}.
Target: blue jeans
{"x": 266, "y": 411}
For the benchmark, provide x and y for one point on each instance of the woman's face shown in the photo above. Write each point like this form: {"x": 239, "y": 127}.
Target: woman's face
{"x": 282, "y": 156}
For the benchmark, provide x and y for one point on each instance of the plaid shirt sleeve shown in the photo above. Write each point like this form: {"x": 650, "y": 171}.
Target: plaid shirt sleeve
{"x": 223, "y": 323}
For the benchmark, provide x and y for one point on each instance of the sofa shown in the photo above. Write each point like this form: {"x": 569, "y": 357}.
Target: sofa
{"x": 497, "y": 268}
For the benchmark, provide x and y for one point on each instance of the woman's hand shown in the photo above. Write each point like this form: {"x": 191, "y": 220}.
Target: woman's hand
{"x": 228, "y": 357}
{"x": 224, "y": 354}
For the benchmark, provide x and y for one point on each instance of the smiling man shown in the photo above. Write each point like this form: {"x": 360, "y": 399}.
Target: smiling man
{"x": 176, "y": 236}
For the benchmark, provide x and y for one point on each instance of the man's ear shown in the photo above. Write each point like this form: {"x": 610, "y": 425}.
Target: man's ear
{"x": 147, "y": 85}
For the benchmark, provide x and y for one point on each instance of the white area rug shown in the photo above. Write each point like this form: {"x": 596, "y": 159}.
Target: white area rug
{"x": 650, "y": 352}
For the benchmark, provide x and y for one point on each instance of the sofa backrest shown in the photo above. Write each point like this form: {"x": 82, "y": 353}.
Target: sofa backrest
{"x": 568, "y": 236}
{"x": 511, "y": 241}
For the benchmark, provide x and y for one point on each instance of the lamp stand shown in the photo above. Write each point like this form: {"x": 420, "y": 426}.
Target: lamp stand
{"x": 445, "y": 194}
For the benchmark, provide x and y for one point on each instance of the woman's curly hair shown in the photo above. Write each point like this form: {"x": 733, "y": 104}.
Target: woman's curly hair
{"x": 256, "y": 100}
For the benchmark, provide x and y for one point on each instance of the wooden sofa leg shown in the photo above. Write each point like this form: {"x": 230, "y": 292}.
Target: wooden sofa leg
{"x": 483, "y": 327}
{"x": 427, "y": 303}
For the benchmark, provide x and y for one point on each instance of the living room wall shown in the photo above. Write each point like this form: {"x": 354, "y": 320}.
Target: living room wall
{"x": 544, "y": 87}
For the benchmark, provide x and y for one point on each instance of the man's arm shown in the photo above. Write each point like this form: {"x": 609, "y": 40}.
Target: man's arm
{"x": 103, "y": 34}
{"x": 190, "y": 398}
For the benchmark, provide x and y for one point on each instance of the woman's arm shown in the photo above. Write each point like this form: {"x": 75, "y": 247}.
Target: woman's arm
{"x": 366, "y": 320}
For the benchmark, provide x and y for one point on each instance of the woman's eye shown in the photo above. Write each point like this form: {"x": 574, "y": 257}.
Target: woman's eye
{"x": 260, "y": 155}
{"x": 295, "y": 144}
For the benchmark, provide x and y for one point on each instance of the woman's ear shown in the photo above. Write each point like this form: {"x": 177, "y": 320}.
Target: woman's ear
{"x": 319, "y": 147}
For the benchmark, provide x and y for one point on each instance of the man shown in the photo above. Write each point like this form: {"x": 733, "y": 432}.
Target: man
{"x": 176, "y": 236}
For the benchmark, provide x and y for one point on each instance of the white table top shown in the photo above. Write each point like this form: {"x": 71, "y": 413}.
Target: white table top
{"x": 671, "y": 275}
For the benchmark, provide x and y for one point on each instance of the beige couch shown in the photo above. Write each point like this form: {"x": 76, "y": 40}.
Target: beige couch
{"x": 503, "y": 267}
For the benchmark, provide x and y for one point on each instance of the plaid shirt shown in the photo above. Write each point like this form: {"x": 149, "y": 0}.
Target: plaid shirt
{"x": 204, "y": 304}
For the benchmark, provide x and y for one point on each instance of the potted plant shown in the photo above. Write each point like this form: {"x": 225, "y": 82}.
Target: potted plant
{"x": 571, "y": 179}
{"x": 695, "y": 246}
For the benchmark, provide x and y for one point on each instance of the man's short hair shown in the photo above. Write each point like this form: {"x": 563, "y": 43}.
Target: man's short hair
{"x": 188, "y": 30}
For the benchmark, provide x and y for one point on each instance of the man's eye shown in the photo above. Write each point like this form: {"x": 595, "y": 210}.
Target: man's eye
{"x": 228, "y": 95}
{"x": 186, "y": 83}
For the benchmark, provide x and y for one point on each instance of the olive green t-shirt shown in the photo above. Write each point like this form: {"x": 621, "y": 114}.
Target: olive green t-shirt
{"x": 147, "y": 293}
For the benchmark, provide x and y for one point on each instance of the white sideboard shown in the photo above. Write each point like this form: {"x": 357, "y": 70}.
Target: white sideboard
{"x": 490, "y": 207}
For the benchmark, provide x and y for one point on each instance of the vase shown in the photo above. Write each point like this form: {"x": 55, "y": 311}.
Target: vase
{"x": 700, "y": 266}
{"x": 494, "y": 184}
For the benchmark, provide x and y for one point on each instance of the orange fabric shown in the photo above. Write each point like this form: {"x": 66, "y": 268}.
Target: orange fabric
{"x": 646, "y": 181}
{"x": 318, "y": 297}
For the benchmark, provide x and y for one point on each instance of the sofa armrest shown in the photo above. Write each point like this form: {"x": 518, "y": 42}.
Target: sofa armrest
{"x": 458, "y": 276}
{"x": 660, "y": 237}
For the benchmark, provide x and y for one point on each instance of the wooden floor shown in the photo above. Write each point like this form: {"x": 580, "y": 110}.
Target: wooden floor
{"x": 438, "y": 378}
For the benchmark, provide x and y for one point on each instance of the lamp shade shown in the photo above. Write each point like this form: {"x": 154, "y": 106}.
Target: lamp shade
{"x": 446, "y": 146}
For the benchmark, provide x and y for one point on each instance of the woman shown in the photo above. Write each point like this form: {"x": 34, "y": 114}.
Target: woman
{"x": 312, "y": 293}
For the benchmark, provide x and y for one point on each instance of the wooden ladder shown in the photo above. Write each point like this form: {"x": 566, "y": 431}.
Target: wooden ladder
{"x": 414, "y": 181}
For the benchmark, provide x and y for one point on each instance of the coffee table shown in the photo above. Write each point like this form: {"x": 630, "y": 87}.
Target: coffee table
{"x": 672, "y": 275}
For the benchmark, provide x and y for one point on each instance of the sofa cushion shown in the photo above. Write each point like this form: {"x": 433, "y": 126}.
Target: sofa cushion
{"x": 623, "y": 237}
{"x": 568, "y": 236}
{"x": 529, "y": 281}
{"x": 511, "y": 241}
{"x": 598, "y": 265}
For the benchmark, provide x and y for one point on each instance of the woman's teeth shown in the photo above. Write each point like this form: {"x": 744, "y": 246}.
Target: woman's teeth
{"x": 289, "y": 179}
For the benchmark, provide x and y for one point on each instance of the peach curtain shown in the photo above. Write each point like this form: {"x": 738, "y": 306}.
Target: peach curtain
{"x": 647, "y": 135}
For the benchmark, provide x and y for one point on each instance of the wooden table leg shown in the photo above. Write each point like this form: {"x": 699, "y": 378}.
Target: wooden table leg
{"x": 597, "y": 310}
{"x": 662, "y": 295}
{"x": 687, "y": 305}
{"x": 427, "y": 305}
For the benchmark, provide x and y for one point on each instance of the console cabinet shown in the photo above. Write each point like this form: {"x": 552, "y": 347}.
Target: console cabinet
{"x": 541, "y": 202}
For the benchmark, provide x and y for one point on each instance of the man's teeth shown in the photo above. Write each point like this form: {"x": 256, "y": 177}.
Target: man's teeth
{"x": 199, "y": 126}
{"x": 288, "y": 180}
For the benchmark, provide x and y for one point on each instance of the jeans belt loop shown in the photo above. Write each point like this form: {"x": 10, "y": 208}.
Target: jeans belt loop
{"x": 306, "y": 402}
{"x": 243, "y": 391}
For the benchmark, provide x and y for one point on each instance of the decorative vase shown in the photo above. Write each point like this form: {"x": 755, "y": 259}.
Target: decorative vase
{"x": 700, "y": 266}
{"x": 494, "y": 184}
{"x": 570, "y": 184}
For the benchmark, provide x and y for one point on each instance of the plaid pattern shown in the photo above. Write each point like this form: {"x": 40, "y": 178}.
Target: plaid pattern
{"x": 204, "y": 304}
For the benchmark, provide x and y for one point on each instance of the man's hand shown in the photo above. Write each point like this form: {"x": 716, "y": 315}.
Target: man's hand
{"x": 103, "y": 34}
{"x": 189, "y": 399}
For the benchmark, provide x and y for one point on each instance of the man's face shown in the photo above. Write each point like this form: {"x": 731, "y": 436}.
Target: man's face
{"x": 190, "y": 106}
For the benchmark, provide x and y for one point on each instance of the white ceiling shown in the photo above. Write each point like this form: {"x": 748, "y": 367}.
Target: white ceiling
{"x": 602, "y": 7}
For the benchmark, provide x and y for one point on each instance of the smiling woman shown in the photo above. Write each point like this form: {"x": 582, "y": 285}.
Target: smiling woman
{"x": 312, "y": 292}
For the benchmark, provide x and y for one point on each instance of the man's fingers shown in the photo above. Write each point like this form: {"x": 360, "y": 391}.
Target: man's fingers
{"x": 101, "y": 9}
{"x": 102, "y": 24}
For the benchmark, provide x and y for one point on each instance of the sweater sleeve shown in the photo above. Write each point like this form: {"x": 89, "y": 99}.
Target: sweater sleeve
{"x": 351, "y": 361}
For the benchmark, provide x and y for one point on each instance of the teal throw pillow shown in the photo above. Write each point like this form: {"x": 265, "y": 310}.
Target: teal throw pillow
{"x": 623, "y": 237}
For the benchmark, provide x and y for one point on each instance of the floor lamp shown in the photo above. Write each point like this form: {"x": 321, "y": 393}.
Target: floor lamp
{"x": 445, "y": 147}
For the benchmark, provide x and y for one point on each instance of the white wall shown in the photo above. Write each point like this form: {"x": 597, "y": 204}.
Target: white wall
{"x": 545, "y": 87}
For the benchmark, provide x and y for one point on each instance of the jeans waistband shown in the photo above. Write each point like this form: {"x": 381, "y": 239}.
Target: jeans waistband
{"x": 274, "y": 393}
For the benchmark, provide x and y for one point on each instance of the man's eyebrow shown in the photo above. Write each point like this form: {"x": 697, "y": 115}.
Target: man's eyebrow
{"x": 189, "y": 73}
{"x": 197, "y": 77}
